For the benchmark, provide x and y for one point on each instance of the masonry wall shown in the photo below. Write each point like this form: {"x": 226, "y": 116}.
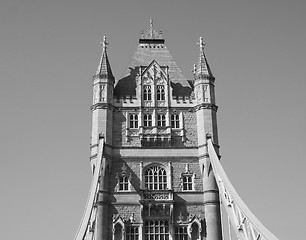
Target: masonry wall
{"x": 126, "y": 204}
{"x": 121, "y": 132}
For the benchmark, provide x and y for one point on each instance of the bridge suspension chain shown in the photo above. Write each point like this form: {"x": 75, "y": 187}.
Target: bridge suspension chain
{"x": 244, "y": 222}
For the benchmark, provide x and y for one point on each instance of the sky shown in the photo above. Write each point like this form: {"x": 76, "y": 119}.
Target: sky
{"x": 49, "y": 51}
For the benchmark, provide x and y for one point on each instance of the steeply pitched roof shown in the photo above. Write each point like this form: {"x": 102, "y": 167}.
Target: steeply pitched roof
{"x": 152, "y": 47}
{"x": 203, "y": 69}
{"x": 104, "y": 70}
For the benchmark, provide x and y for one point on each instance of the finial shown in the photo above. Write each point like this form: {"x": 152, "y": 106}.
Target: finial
{"x": 132, "y": 218}
{"x": 187, "y": 168}
{"x": 201, "y": 43}
{"x": 151, "y": 28}
{"x": 203, "y": 69}
{"x": 124, "y": 168}
{"x": 104, "y": 43}
{"x": 180, "y": 217}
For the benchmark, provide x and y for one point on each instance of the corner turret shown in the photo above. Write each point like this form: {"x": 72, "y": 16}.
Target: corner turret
{"x": 102, "y": 103}
{"x": 206, "y": 111}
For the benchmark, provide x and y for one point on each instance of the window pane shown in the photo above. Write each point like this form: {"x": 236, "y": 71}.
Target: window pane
{"x": 132, "y": 233}
{"x": 133, "y": 120}
{"x": 146, "y": 92}
{"x": 155, "y": 178}
{"x": 181, "y": 233}
{"x": 187, "y": 183}
{"x": 156, "y": 230}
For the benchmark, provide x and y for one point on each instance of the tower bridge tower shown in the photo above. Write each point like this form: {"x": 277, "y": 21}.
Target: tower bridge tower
{"x": 152, "y": 174}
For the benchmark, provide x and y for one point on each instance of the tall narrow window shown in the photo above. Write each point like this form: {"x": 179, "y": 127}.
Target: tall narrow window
{"x": 195, "y": 231}
{"x": 181, "y": 233}
{"x": 147, "y": 94}
{"x": 132, "y": 233}
{"x": 133, "y": 121}
{"x": 118, "y": 232}
{"x": 161, "y": 120}
{"x": 175, "y": 121}
{"x": 123, "y": 183}
{"x": 156, "y": 178}
{"x": 147, "y": 120}
{"x": 187, "y": 182}
{"x": 160, "y": 92}
{"x": 156, "y": 230}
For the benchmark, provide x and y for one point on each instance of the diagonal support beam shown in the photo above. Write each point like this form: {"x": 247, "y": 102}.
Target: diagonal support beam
{"x": 244, "y": 222}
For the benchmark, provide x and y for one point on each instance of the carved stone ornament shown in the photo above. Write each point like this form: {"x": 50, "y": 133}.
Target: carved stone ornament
{"x": 95, "y": 94}
{"x": 147, "y": 103}
{"x": 101, "y": 93}
{"x": 148, "y": 131}
{"x": 154, "y": 72}
{"x": 161, "y": 131}
{"x": 198, "y": 94}
{"x": 156, "y": 196}
{"x": 98, "y": 93}
{"x": 134, "y": 133}
{"x": 161, "y": 103}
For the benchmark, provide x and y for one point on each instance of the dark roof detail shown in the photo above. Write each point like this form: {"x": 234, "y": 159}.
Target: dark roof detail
{"x": 104, "y": 70}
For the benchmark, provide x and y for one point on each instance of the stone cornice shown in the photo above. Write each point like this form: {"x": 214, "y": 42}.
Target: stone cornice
{"x": 204, "y": 77}
{"x": 102, "y": 106}
{"x": 206, "y": 106}
{"x": 103, "y": 76}
{"x": 138, "y": 108}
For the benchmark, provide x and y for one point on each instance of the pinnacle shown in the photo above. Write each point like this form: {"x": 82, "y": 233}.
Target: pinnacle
{"x": 104, "y": 70}
{"x": 202, "y": 69}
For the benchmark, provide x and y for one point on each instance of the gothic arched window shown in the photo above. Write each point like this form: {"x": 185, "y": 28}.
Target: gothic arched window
{"x": 175, "y": 121}
{"x": 160, "y": 92}
{"x": 123, "y": 183}
{"x": 133, "y": 120}
{"x": 147, "y": 120}
{"x": 187, "y": 182}
{"x": 147, "y": 93}
{"x": 161, "y": 120}
{"x": 118, "y": 232}
{"x": 195, "y": 233}
{"x": 156, "y": 178}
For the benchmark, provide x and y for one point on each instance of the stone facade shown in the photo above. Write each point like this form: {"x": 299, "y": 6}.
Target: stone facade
{"x": 153, "y": 183}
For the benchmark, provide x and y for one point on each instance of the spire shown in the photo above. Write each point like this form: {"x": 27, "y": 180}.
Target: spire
{"x": 151, "y": 35}
{"x": 203, "y": 69}
{"x": 104, "y": 70}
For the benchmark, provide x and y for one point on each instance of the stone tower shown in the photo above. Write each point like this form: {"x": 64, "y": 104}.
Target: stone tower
{"x": 155, "y": 181}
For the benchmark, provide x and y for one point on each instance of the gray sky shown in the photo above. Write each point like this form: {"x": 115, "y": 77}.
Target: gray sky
{"x": 49, "y": 51}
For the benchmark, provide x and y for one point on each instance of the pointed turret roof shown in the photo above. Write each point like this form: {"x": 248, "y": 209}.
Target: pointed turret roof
{"x": 152, "y": 47}
{"x": 104, "y": 70}
{"x": 203, "y": 70}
